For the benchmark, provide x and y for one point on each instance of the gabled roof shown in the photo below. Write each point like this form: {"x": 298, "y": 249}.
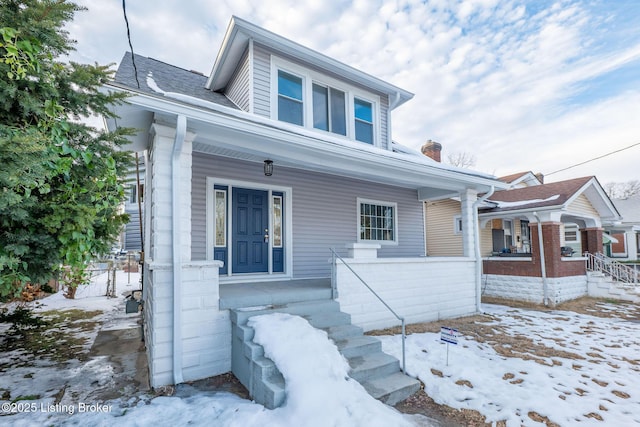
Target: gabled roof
{"x": 240, "y": 32}
{"x": 555, "y": 195}
{"x": 527, "y": 178}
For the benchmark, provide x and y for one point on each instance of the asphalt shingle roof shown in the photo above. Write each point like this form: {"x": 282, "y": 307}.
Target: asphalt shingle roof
{"x": 168, "y": 77}
{"x": 563, "y": 189}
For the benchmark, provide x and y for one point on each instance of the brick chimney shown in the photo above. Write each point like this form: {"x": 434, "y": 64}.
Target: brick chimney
{"x": 432, "y": 149}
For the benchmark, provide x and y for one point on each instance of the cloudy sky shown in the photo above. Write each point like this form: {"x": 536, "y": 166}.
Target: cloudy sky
{"x": 536, "y": 85}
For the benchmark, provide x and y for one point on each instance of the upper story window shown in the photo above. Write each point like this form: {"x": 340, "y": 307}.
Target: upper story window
{"x": 363, "y": 112}
{"x": 307, "y": 98}
{"x": 329, "y": 109}
{"x": 290, "y": 98}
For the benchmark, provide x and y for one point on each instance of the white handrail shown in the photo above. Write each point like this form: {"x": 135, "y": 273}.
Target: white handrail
{"x": 400, "y": 318}
{"x": 618, "y": 271}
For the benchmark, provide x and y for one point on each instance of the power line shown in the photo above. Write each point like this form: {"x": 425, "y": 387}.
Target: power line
{"x": 133, "y": 59}
{"x": 595, "y": 158}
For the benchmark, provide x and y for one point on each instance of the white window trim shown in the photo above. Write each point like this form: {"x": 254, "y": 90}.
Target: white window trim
{"x": 287, "y": 231}
{"x": 564, "y": 235}
{"x": 308, "y": 78}
{"x": 457, "y": 224}
{"x": 393, "y": 205}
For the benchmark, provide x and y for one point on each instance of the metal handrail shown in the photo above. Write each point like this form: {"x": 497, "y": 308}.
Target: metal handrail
{"x": 618, "y": 271}
{"x": 334, "y": 288}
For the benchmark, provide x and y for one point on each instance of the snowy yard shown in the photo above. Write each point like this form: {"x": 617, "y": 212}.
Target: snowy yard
{"x": 531, "y": 367}
{"x": 514, "y": 366}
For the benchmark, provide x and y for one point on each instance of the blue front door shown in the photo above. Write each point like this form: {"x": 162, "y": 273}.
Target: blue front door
{"x": 250, "y": 231}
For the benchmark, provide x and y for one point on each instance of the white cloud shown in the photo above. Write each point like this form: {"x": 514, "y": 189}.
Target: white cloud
{"x": 490, "y": 77}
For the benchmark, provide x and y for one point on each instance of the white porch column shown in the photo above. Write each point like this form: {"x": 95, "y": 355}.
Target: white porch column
{"x": 161, "y": 212}
{"x": 631, "y": 244}
{"x": 467, "y": 198}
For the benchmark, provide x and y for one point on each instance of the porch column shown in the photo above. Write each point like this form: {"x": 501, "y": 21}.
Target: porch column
{"x": 161, "y": 211}
{"x": 591, "y": 240}
{"x": 551, "y": 242}
{"x": 467, "y": 198}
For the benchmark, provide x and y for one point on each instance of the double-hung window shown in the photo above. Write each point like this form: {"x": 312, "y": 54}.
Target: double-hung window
{"x": 363, "y": 114}
{"x": 290, "y": 106}
{"x": 377, "y": 221}
{"x": 329, "y": 109}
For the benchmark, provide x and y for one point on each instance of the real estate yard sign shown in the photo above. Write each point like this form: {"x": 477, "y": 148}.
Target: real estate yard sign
{"x": 449, "y": 336}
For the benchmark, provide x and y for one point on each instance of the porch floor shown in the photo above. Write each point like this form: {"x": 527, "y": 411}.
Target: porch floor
{"x": 250, "y": 294}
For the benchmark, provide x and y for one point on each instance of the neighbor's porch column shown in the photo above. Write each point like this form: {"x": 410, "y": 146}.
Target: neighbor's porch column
{"x": 551, "y": 242}
{"x": 467, "y": 198}
{"x": 591, "y": 240}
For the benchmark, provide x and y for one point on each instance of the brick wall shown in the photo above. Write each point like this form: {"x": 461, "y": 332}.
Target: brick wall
{"x": 530, "y": 267}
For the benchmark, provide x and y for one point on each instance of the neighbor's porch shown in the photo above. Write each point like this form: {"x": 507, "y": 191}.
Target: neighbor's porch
{"x": 546, "y": 268}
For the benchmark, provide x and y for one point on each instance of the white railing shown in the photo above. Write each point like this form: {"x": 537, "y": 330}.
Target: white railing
{"x": 618, "y": 271}
{"x": 334, "y": 287}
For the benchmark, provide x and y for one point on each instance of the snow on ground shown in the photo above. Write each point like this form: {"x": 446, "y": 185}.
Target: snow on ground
{"x": 593, "y": 373}
{"x": 595, "y": 380}
{"x": 321, "y": 393}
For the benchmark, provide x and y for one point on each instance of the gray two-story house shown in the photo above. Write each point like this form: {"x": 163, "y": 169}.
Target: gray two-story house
{"x": 256, "y": 172}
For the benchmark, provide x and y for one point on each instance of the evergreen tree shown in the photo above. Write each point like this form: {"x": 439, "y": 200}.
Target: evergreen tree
{"x": 61, "y": 180}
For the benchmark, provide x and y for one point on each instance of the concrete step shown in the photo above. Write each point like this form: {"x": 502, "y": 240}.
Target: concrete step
{"x": 358, "y": 346}
{"x": 393, "y": 388}
{"x": 240, "y": 316}
{"x": 372, "y": 366}
{"x": 328, "y": 319}
{"x": 377, "y": 371}
{"x": 343, "y": 331}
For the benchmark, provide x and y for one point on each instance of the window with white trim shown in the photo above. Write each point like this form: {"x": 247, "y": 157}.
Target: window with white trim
{"x": 571, "y": 234}
{"x": 290, "y": 105}
{"x": 363, "y": 116}
{"x": 377, "y": 221}
{"x": 313, "y": 100}
{"x": 457, "y": 224}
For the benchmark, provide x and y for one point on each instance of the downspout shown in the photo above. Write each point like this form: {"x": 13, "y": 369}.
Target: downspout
{"x": 476, "y": 236}
{"x": 392, "y": 104}
{"x": 543, "y": 266}
{"x": 181, "y": 131}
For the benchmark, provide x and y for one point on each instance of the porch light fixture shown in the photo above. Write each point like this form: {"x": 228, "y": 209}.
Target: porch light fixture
{"x": 268, "y": 167}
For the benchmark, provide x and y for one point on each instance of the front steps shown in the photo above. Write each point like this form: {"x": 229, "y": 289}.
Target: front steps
{"x": 600, "y": 285}
{"x": 378, "y": 372}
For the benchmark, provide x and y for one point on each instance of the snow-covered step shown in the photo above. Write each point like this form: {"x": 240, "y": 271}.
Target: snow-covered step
{"x": 378, "y": 372}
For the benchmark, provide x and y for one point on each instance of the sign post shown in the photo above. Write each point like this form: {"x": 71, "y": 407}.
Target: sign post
{"x": 449, "y": 336}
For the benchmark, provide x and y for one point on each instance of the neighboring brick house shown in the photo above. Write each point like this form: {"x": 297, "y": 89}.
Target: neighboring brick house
{"x": 571, "y": 215}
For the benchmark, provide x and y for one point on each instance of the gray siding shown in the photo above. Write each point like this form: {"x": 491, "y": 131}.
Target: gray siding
{"x": 238, "y": 89}
{"x": 324, "y": 211}
{"x": 261, "y": 82}
{"x": 384, "y": 123}
{"x": 132, "y": 241}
